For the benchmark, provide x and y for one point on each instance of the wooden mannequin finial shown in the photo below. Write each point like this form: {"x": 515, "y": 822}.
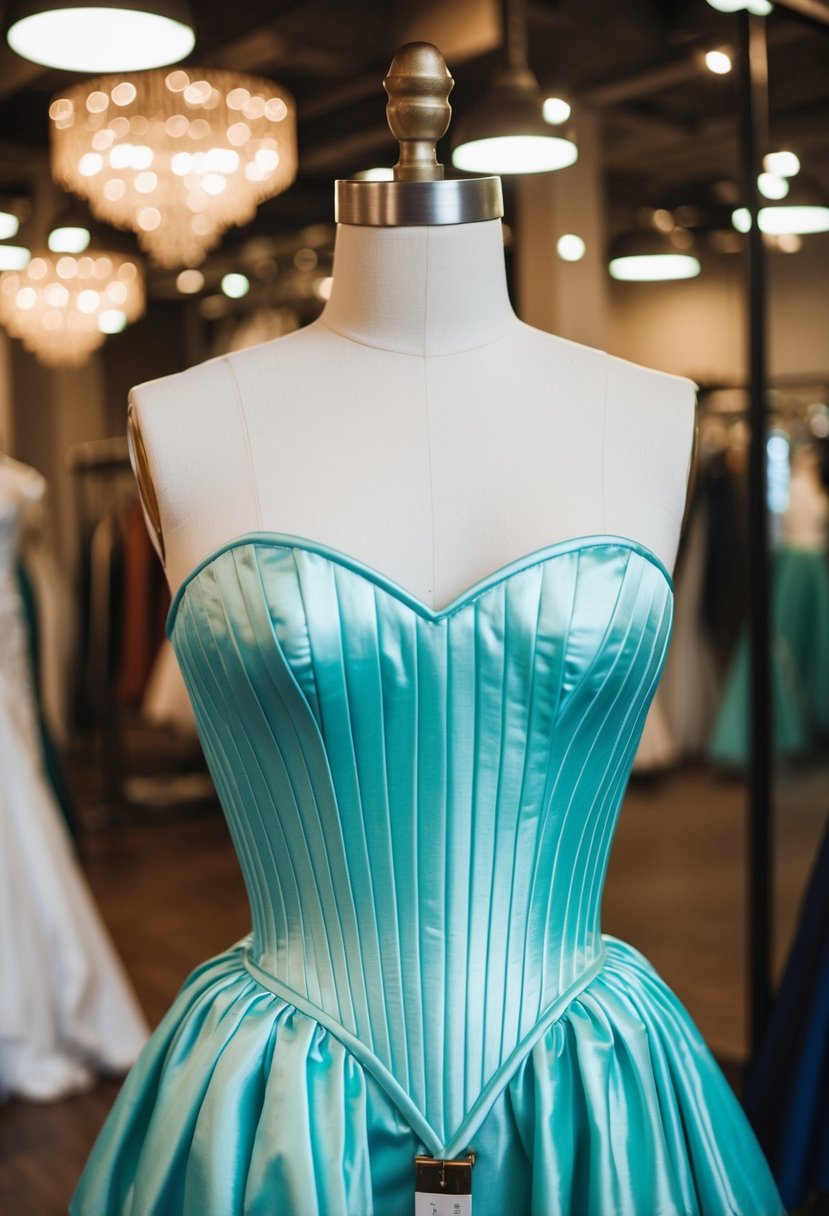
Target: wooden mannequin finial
{"x": 418, "y": 84}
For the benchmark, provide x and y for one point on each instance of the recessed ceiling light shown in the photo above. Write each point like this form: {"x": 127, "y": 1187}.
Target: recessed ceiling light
{"x": 570, "y": 247}
{"x": 556, "y": 110}
{"x": 718, "y": 62}
{"x": 235, "y": 285}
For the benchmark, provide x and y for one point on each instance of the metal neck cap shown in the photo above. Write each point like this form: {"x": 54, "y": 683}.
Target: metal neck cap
{"x": 418, "y": 85}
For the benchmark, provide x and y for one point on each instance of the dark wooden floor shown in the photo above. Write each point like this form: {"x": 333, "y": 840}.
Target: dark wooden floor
{"x": 169, "y": 888}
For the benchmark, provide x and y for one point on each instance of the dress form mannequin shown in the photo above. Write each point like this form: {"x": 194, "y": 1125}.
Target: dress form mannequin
{"x": 422, "y": 800}
{"x": 418, "y": 425}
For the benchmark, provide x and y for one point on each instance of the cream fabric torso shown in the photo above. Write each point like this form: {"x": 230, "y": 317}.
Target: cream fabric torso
{"x": 418, "y": 426}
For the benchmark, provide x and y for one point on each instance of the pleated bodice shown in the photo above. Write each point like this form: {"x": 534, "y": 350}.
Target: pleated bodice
{"x": 423, "y": 801}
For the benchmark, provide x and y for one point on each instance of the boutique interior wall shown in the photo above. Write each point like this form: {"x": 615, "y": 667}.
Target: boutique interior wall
{"x": 697, "y": 328}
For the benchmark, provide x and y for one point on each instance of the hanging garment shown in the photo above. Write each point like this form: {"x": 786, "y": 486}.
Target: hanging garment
{"x": 423, "y": 804}
{"x": 787, "y": 1094}
{"x": 799, "y": 664}
{"x": 66, "y": 1007}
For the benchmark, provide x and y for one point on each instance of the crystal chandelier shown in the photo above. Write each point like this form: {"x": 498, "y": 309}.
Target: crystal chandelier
{"x": 62, "y": 307}
{"x": 177, "y": 156}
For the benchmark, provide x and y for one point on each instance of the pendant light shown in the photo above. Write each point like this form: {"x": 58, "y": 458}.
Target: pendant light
{"x": 803, "y": 212}
{"x": 13, "y": 257}
{"x": 505, "y": 132}
{"x": 100, "y": 35}
{"x": 649, "y": 256}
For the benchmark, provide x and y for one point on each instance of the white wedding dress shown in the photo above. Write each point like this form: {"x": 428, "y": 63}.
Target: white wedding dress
{"x": 66, "y": 1006}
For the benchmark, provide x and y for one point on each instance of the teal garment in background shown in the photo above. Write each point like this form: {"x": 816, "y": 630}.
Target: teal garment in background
{"x": 423, "y": 805}
{"x": 799, "y": 665}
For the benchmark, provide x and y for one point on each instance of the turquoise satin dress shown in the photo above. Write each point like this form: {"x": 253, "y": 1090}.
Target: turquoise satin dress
{"x": 423, "y": 805}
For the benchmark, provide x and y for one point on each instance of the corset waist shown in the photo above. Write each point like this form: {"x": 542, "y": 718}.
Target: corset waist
{"x": 459, "y": 1139}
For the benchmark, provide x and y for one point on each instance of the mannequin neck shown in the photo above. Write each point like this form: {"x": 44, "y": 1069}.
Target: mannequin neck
{"x": 420, "y": 291}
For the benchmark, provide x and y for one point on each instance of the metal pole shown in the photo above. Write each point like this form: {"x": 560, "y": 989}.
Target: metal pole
{"x": 751, "y": 41}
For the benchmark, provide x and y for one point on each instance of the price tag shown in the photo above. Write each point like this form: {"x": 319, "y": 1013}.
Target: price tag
{"x": 443, "y": 1188}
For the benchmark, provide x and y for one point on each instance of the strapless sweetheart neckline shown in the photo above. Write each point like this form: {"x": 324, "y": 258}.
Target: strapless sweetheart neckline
{"x": 286, "y": 540}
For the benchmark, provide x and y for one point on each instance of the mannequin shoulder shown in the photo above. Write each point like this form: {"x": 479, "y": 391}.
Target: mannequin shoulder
{"x": 209, "y": 393}
{"x": 657, "y": 394}
{"x": 649, "y": 437}
{"x": 652, "y": 416}
{"x": 191, "y": 450}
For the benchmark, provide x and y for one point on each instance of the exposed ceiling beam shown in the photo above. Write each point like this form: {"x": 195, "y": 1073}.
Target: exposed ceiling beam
{"x": 816, "y": 9}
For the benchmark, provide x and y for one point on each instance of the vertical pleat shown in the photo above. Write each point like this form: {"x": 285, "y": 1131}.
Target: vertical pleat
{"x": 423, "y": 802}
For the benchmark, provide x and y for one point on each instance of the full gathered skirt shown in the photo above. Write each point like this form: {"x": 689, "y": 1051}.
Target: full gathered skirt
{"x": 241, "y": 1105}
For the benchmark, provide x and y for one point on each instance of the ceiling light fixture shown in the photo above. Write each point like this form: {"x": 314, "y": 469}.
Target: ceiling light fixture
{"x": 69, "y": 238}
{"x": 771, "y": 185}
{"x": 784, "y": 163}
{"x": 654, "y": 267}
{"x": 9, "y": 225}
{"x": 570, "y": 247}
{"x": 96, "y": 36}
{"x": 718, "y": 62}
{"x": 650, "y": 256}
{"x": 62, "y": 307}
{"x": 189, "y": 282}
{"x": 556, "y": 110}
{"x": 760, "y": 8}
{"x": 788, "y": 219}
{"x": 505, "y": 132}
{"x": 235, "y": 285}
{"x": 14, "y": 257}
{"x": 177, "y": 157}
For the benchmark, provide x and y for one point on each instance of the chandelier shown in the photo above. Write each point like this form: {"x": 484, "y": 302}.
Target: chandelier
{"x": 62, "y": 307}
{"x": 177, "y": 156}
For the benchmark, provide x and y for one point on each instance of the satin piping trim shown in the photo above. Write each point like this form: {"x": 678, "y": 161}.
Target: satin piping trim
{"x": 284, "y": 540}
{"x": 489, "y": 1094}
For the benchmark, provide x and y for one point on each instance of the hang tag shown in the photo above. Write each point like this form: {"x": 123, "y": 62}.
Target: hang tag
{"x": 443, "y": 1188}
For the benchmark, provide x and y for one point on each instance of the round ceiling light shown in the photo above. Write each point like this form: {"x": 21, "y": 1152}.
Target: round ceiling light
{"x": 100, "y": 37}
{"x": 570, "y": 247}
{"x": 235, "y": 285}
{"x": 718, "y": 62}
